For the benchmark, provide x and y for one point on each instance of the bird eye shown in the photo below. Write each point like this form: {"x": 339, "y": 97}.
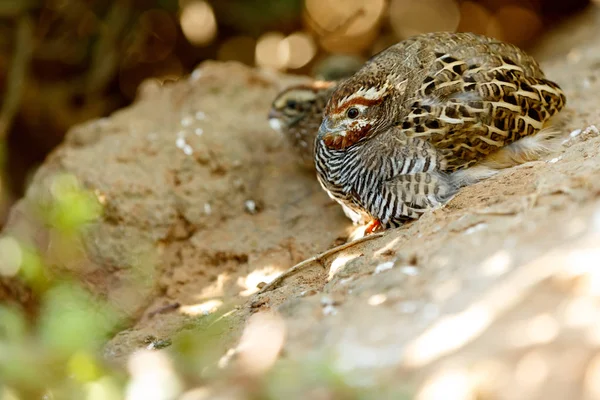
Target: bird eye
{"x": 291, "y": 103}
{"x": 352, "y": 112}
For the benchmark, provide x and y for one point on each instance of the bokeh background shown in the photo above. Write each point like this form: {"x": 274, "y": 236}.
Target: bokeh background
{"x": 63, "y": 62}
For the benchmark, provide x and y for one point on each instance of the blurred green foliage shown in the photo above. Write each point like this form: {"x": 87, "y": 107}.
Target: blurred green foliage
{"x": 73, "y": 206}
{"x": 316, "y": 376}
{"x": 56, "y": 354}
{"x": 11, "y": 8}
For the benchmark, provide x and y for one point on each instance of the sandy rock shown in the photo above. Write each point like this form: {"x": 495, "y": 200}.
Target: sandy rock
{"x": 176, "y": 173}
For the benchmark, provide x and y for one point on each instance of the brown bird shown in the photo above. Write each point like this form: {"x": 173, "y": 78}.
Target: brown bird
{"x": 427, "y": 116}
{"x": 297, "y": 113}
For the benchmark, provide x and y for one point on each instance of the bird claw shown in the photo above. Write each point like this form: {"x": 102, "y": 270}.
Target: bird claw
{"x": 373, "y": 226}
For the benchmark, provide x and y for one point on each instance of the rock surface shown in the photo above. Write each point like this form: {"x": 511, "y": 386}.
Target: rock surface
{"x": 493, "y": 296}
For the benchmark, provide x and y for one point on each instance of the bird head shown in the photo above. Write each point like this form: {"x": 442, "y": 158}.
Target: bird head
{"x": 295, "y": 103}
{"x": 356, "y": 110}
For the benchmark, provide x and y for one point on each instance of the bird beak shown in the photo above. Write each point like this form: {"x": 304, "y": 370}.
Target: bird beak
{"x": 273, "y": 113}
{"x": 275, "y": 120}
{"x": 335, "y": 137}
{"x": 326, "y": 128}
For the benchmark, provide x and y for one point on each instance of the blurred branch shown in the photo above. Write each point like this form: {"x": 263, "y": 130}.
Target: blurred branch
{"x": 340, "y": 29}
{"x": 105, "y": 59}
{"x": 17, "y": 73}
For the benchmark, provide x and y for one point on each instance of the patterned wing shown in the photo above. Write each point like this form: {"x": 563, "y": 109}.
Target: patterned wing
{"x": 471, "y": 105}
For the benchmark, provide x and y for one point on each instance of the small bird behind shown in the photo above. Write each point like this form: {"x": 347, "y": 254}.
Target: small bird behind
{"x": 297, "y": 113}
{"x": 427, "y": 116}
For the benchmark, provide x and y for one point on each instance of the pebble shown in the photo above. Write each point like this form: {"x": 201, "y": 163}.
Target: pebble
{"x": 187, "y": 121}
{"x": 384, "y": 267}
{"x": 250, "y": 206}
{"x": 410, "y": 270}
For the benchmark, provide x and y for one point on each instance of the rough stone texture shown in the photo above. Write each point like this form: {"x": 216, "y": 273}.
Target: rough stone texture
{"x": 495, "y": 295}
{"x": 198, "y": 192}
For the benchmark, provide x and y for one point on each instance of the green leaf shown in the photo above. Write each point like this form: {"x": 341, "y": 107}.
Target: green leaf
{"x": 72, "y": 320}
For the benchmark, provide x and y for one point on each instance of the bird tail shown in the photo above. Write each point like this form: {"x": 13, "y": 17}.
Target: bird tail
{"x": 530, "y": 148}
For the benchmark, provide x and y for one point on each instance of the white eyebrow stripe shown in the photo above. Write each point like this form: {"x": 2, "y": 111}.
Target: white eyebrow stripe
{"x": 369, "y": 93}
